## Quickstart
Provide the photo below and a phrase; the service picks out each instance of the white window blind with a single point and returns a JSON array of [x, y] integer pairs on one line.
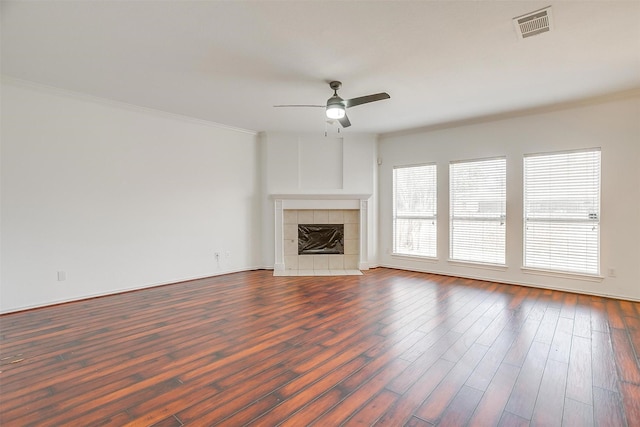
[[478, 210], [414, 210], [562, 211]]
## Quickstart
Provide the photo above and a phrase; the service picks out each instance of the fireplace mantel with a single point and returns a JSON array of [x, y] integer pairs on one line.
[[321, 196], [326, 201]]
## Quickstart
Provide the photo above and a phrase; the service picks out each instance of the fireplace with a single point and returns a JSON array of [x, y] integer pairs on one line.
[[349, 211], [321, 220]]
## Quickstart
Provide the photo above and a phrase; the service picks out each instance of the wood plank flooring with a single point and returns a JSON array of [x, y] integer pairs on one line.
[[390, 348]]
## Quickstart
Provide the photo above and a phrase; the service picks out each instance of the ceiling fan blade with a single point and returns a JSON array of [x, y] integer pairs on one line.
[[298, 105], [345, 121], [365, 99]]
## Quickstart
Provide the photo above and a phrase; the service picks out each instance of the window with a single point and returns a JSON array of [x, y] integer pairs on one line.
[[478, 210], [414, 210], [562, 211]]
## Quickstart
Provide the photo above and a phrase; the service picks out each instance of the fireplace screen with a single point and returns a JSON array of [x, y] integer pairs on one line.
[[317, 239]]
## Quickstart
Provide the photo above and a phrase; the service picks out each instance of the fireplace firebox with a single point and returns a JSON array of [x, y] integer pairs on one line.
[[318, 239]]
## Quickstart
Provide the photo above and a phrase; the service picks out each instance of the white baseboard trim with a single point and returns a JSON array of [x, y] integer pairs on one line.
[[395, 267], [511, 282], [125, 290]]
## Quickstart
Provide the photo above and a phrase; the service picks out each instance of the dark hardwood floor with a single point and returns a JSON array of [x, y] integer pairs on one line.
[[389, 348]]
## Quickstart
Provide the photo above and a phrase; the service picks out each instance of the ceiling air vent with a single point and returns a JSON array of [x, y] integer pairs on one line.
[[533, 23]]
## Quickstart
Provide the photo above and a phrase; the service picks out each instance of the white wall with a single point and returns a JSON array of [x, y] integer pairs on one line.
[[614, 126], [118, 197], [349, 168]]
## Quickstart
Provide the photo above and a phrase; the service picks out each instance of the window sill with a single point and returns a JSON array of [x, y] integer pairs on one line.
[[563, 274], [485, 266], [415, 257]]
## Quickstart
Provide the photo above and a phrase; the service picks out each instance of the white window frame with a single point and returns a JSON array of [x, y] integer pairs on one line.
[[473, 214], [426, 217], [580, 256]]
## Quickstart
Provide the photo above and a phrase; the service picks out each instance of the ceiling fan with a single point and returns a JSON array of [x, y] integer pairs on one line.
[[336, 106]]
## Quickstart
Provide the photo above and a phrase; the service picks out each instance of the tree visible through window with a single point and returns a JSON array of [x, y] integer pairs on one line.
[[562, 211], [414, 210]]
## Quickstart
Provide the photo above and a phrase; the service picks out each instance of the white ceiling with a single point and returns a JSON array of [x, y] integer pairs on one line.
[[229, 62]]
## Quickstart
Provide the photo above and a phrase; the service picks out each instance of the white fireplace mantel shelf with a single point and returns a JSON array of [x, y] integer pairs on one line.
[[310, 200], [321, 196]]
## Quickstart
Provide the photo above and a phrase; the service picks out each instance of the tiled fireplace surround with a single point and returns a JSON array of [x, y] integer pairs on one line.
[[348, 261], [348, 209]]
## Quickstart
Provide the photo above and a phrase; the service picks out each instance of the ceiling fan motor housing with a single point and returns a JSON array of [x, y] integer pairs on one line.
[[335, 105]]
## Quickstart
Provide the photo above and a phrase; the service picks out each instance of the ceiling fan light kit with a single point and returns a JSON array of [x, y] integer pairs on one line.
[[336, 106], [335, 111]]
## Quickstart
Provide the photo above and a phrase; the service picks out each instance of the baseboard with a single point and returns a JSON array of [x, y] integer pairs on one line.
[[391, 266], [509, 282], [126, 290]]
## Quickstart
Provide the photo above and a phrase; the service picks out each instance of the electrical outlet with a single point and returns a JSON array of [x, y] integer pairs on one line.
[[611, 272], [62, 276]]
